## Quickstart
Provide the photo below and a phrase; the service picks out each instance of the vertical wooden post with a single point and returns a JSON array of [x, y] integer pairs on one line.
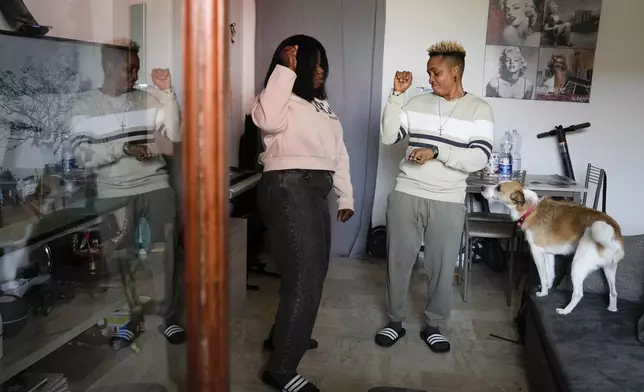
[[206, 194]]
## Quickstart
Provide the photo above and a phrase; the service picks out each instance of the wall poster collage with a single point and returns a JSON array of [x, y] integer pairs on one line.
[[541, 49]]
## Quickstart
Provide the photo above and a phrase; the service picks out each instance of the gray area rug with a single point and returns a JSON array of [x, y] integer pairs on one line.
[[391, 389]]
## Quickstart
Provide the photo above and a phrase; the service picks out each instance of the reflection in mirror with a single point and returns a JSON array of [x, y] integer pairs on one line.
[[91, 266]]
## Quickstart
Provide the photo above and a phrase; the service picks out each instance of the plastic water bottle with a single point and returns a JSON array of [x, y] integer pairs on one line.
[[143, 238], [517, 142], [505, 161], [68, 161]]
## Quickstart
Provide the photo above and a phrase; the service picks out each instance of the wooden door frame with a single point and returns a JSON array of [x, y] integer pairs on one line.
[[206, 182]]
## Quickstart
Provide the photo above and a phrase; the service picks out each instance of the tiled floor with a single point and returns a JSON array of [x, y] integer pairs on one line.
[[352, 311], [347, 360]]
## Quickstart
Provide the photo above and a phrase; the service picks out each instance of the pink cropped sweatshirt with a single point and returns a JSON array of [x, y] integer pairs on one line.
[[301, 135]]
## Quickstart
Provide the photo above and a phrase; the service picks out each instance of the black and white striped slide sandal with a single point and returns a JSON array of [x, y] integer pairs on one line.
[[293, 383], [125, 335], [389, 335], [435, 340], [174, 334]]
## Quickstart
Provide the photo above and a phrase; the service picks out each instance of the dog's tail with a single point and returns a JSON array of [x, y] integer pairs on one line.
[[604, 234]]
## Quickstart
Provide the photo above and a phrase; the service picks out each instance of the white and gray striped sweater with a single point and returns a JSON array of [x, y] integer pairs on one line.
[[101, 124], [464, 144]]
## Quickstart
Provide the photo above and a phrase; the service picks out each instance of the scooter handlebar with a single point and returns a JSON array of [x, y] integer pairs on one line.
[[578, 126], [571, 128], [546, 134]]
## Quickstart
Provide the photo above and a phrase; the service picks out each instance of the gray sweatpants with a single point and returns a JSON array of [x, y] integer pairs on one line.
[[410, 220], [159, 208]]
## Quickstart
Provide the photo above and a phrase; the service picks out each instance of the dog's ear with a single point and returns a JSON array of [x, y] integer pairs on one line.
[[518, 198]]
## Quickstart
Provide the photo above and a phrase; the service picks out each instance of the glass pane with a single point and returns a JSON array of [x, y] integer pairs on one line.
[[90, 258]]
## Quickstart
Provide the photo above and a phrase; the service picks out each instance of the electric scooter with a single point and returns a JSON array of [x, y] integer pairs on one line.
[[560, 132]]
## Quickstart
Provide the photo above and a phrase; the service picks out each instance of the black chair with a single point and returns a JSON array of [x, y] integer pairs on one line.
[[597, 177]]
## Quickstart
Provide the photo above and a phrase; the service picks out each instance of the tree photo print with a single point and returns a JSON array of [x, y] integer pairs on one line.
[[39, 78], [541, 49]]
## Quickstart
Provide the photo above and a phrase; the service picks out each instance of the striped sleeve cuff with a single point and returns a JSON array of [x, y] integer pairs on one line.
[[483, 145], [402, 133]]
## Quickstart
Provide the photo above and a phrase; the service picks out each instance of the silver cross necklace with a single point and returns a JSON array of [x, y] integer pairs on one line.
[[126, 108], [441, 125]]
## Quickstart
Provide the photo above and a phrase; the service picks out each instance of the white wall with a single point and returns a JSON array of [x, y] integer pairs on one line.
[[242, 71], [88, 20], [615, 111], [235, 74], [248, 54], [104, 20], [177, 48], [159, 32]]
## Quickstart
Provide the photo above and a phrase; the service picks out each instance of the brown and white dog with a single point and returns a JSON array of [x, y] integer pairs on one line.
[[560, 228]]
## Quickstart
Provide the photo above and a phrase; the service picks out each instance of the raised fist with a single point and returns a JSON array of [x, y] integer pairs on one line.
[[289, 57], [402, 81], [162, 78]]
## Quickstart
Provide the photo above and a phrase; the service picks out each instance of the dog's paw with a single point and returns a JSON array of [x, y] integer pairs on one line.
[[612, 308], [562, 311], [542, 293], [551, 282]]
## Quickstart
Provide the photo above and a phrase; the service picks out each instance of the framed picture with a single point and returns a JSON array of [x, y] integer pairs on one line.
[[541, 49]]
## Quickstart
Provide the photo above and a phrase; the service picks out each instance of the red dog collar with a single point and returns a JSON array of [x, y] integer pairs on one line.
[[525, 215]]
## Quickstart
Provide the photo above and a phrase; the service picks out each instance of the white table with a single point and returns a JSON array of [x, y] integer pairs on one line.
[[555, 186], [552, 185]]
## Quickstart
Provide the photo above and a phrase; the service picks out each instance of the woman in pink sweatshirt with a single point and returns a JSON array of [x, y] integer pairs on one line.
[[305, 158]]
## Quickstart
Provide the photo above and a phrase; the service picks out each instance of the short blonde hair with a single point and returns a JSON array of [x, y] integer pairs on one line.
[[451, 49], [447, 48]]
